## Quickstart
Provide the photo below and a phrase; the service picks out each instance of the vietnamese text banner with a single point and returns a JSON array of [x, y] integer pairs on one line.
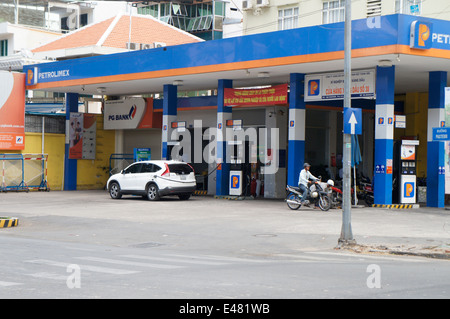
[[249, 97], [330, 86], [12, 111]]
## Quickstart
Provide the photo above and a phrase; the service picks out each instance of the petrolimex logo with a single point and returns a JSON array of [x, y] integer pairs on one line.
[[314, 87], [235, 181], [421, 35], [409, 190], [32, 76]]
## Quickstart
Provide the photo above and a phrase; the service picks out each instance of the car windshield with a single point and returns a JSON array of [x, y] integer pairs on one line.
[[180, 169]]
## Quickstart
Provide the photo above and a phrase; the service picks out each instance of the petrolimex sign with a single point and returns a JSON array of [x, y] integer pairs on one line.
[[424, 36], [330, 86], [421, 35], [35, 76]]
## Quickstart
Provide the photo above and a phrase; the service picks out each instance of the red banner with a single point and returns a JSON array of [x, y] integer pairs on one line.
[[274, 95], [12, 111]]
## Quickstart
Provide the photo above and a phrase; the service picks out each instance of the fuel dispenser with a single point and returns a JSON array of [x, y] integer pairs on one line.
[[240, 167], [405, 185]]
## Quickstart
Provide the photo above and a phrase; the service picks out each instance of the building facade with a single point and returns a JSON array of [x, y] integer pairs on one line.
[[274, 15]]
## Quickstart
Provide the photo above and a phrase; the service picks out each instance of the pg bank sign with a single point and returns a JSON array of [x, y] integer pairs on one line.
[[423, 36]]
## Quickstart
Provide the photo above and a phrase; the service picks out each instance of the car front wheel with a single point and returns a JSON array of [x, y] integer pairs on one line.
[[114, 191], [152, 192]]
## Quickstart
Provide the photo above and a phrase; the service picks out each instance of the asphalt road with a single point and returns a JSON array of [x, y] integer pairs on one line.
[[85, 245]]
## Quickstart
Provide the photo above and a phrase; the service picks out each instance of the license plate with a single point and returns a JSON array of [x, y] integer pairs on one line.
[[183, 177]]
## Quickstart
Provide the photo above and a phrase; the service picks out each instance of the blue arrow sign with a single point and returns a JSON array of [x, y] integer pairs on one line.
[[441, 134], [352, 121]]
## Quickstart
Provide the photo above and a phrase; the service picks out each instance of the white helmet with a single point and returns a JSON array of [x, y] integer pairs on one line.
[[330, 182]]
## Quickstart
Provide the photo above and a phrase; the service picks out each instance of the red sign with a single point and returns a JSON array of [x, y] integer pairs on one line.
[[274, 95], [12, 111]]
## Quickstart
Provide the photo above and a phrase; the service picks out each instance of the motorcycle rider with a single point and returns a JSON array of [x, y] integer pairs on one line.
[[304, 180]]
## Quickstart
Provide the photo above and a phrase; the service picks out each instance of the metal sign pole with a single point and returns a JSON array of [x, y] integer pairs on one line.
[[346, 232]]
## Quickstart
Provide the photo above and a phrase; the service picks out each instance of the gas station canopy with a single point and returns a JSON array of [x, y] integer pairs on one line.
[[254, 60]]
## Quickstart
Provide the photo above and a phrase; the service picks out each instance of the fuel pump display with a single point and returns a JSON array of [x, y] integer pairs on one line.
[[405, 171]]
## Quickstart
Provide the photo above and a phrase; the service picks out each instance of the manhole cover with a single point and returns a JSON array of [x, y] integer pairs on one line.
[[146, 245]]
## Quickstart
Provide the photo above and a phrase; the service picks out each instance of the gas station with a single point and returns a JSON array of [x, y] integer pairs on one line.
[[286, 87]]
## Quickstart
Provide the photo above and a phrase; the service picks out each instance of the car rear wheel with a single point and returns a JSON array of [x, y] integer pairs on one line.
[[114, 191], [152, 192]]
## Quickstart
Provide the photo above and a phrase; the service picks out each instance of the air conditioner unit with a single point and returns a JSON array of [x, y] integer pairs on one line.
[[133, 46], [145, 46], [262, 3], [247, 4], [159, 44]]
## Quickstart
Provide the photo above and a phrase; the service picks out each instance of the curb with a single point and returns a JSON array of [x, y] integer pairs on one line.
[[228, 197], [397, 206], [367, 249], [8, 222], [198, 193]]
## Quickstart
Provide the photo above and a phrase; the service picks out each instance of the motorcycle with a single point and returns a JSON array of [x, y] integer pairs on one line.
[[336, 196], [366, 191], [316, 195]]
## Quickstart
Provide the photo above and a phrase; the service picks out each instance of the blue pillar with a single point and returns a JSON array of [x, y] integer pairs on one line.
[[296, 135], [70, 165], [436, 150], [224, 113], [169, 116], [384, 135]]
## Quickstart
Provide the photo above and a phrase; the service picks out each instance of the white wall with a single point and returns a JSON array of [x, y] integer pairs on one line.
[[310, 13], [22, 37]]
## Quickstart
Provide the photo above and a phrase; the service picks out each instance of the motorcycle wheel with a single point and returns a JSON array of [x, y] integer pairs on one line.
[[324, 203], [369, 200], [293, 197]]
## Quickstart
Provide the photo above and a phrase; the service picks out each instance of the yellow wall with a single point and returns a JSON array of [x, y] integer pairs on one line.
[[93, 174], [54, 147], [416, 111]]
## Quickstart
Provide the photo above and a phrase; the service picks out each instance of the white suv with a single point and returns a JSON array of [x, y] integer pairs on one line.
[[153, 179]]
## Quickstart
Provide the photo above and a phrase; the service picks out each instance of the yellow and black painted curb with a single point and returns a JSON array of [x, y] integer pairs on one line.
[[229, 197], [198, 193], [8, 222], [397, 206]]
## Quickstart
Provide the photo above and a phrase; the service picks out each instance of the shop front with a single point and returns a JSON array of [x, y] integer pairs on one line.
[[304, 124]]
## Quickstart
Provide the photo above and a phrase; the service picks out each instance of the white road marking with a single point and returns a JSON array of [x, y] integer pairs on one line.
[[8, 284], [128, 263], [105, 270], [186, 260]]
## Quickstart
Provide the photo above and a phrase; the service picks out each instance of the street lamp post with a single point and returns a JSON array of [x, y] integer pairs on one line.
[[346, 231]]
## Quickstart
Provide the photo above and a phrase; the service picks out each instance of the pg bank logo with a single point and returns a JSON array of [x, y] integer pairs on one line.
[[314, 87], [421, 35], [409, 190]]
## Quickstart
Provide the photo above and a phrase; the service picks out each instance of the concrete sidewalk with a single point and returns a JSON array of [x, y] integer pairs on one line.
[[253, 227]]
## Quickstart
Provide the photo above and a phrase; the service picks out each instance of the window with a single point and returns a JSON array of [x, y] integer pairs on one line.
[[373, 8], [3, 47], [287, 18], [333, 11], [150, 168], [135, 168], [413, 7]]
